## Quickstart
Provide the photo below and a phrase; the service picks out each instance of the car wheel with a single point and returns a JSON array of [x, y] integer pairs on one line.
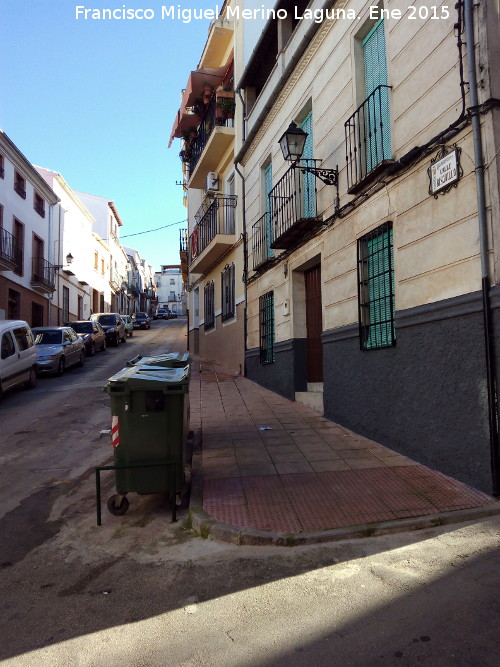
[[103, 348], [92, 350], [116, 341], [124, 339], [122, 507], [82, 359], [130, 333], [32, 380], [60, 367]]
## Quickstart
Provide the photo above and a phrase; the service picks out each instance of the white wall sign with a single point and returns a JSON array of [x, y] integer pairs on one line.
[[444, 171]]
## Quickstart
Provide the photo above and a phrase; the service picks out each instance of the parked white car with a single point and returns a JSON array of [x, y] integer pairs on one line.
[[17, 355]]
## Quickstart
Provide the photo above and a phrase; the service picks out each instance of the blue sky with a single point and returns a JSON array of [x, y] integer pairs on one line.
[[95, 101]]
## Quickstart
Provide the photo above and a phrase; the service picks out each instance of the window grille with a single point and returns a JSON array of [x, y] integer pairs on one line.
[[266, 326], [228, 289], [209, 301], [376, 288]]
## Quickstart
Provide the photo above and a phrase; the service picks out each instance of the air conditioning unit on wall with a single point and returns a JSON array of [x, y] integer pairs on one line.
[[212, 181]]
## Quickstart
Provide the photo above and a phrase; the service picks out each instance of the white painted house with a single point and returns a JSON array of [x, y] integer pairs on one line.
[[29, 212]]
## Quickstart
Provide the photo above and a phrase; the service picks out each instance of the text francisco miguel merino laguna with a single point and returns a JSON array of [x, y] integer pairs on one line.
[[188, 14]]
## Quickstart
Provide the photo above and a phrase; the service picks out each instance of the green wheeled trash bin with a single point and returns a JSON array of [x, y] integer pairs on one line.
[[167, 360], [150, 416]]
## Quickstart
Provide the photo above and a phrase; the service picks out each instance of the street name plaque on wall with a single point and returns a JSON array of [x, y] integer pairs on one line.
[[445, 171]]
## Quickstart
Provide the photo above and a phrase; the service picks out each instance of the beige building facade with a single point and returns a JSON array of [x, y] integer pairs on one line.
[[365, 292], [213, 251]]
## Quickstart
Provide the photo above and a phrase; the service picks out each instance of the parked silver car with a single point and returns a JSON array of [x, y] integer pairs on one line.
[[57, 348]]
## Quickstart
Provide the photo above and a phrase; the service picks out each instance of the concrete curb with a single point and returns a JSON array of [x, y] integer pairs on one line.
[[209, 528]]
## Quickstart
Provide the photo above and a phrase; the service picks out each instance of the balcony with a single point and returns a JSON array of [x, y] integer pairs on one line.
[[368, 139], [292, 204], [43, 275], [11, 257], [115, 281], [214, 136], [183, 252], [261, 241], [220, 35], [214, 232]]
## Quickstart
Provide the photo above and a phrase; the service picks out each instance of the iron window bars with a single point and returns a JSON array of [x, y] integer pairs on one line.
[[228, 292], [376, 288], [266, 328], [209, 305]]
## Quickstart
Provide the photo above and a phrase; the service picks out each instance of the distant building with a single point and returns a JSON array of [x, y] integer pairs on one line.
[[170, 288], [110, 263]]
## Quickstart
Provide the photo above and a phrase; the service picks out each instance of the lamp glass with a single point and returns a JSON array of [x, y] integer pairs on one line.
[[69, 258], [292, 142]]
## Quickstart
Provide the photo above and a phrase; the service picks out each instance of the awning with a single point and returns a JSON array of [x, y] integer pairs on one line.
[[194, 89]]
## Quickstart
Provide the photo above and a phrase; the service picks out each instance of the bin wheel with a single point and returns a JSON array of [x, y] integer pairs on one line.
[[121, 509]]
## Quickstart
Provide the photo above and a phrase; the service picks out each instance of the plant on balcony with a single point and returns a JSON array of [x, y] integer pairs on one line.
[[227, 106], [186, 153], [207, 92]]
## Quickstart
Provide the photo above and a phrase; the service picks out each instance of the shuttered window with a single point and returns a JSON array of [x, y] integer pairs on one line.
[[209, 304], [227, 295], [376, 288], [308, 184], [377, 115], [266, 327]]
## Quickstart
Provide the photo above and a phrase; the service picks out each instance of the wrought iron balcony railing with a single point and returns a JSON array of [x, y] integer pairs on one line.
[[368, 137], [215, 216], [292, 204], [43, 274], [10, 255], [194, 147], [261, 240], [183, 240]]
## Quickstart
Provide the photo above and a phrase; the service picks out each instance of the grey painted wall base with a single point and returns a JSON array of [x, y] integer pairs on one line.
[[425, 397], [287, 374]]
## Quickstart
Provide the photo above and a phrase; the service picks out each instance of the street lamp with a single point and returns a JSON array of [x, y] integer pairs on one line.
[[69, 260], [292, 144]]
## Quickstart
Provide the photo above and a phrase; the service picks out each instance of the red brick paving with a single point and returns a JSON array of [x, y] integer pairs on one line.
[[305, 473]]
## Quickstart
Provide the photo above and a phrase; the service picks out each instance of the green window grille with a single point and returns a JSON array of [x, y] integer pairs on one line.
[[376, 288], [209, 305], [308, 181], [266, 327], [268, 186], [228, 290], [377, 115]]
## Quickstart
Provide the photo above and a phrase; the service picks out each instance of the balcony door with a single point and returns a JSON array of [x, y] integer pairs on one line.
[[314, 324], [377, 117], [38, 272]]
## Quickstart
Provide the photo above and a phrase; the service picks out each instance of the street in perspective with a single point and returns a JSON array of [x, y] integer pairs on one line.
[[141, 590]]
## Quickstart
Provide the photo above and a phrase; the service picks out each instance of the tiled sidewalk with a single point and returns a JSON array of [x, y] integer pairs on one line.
[[270, 464]]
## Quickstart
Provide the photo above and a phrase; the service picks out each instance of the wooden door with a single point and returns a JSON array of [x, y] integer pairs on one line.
[[314, 324]]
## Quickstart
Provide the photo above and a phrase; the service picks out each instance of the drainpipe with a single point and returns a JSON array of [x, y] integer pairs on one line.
[[245, 265], [483, 245]]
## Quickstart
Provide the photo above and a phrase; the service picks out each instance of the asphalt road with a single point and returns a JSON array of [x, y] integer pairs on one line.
[[140, 591]]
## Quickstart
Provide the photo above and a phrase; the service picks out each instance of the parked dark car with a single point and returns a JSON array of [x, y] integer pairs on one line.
[[92, 334], [57, 348], [113, 326], [141, 321], [173, 315], [163, 314]]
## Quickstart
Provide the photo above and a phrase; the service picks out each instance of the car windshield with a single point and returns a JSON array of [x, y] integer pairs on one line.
[[82, 327], [48, 337], [107, 320]]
